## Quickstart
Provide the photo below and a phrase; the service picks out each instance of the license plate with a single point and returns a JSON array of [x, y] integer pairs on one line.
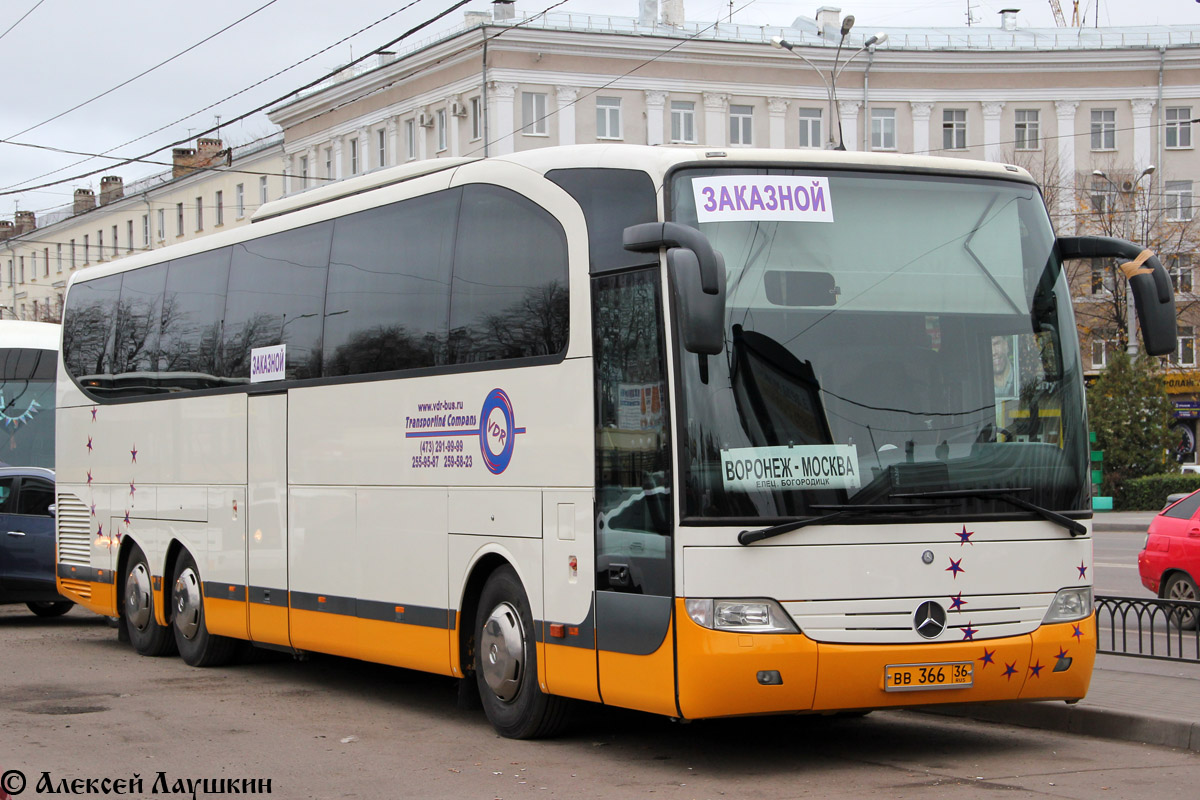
[[917, 677]]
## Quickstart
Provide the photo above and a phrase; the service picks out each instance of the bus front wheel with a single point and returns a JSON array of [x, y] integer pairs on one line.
[[196, 645], [137, 612], [506, 663]]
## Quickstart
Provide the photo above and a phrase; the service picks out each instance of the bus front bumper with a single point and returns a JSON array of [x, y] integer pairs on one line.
[[729, 674]]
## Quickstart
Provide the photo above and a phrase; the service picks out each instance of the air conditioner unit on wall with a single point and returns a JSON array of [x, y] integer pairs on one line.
[[1127, 186], [425, 120], [458, 109]]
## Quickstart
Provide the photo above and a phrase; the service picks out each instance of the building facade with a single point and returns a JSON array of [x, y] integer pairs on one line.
[[209, 188]]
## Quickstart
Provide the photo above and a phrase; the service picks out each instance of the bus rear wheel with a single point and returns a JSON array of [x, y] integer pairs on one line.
[[506, 663], [197, 646], [137, 610]]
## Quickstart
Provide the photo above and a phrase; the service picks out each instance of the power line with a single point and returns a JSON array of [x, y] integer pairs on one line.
[[146, 71], [23, 16], [457, 5]]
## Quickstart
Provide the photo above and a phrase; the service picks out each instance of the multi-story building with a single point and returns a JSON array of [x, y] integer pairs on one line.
[[209, 188], [1102, 117]]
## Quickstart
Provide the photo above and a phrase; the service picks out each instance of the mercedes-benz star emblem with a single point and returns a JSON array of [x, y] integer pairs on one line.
[[929, 620]]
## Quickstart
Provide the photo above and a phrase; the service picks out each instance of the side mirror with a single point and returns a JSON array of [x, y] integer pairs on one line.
[[697, 276], [1153, 296], [52, 510]]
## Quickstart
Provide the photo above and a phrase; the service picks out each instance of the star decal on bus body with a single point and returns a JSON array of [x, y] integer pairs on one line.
[[1062, 653], [94, 410], [127, 517], [957, 602], [89, 480], [132, 489], [133, 453], [1036, 669], [1010, 670], [1077, 633], [89, 444], [93, 509], [955, 567], [987, 658], [964, 537], [1082, 570], [969, 633]]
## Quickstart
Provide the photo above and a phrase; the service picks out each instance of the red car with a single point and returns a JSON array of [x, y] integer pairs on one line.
[[1169, 564]]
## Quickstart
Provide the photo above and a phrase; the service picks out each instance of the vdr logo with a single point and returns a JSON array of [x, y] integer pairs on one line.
[[497, 431]]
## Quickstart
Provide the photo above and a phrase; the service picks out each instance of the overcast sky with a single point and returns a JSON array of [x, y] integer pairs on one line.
[[65, 52]]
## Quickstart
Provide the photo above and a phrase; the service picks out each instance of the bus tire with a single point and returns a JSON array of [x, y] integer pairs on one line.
[[196, 645], [137, 609], [506, 663]]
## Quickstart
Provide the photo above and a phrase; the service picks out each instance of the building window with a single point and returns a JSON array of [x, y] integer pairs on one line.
[[21, 262], [115, 248], [741, 125], [58, 257], [303, 172], [220, 203], [1103, 196], [608, 118], [1179, 267], [199, 213], [100, 245], [87, 254], [73, 262], [440, 124], [1028, 134], [262, 190], [329, 162], [1179, 127], [178, 225], [145, 231], [35, 310], [354, 156], [1104, 129], [1102, 276], [1179, 200], [810, 127], [533, 114], [683, 121], [1103, 343], [954, 129], [476, 119], [33, 265], [1185, 352], [162, 224], [883, 129], [410, 138], [128, 236], [239, 200], [381, 142], [46, 262]]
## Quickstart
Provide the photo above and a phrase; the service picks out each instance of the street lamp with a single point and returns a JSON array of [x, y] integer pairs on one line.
[[834, 73], [1131, 346]]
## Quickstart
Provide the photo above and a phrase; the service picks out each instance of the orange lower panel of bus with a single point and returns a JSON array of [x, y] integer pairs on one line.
[[719, 672]]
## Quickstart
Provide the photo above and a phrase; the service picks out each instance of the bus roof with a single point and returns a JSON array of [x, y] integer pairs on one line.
[[19, 334]]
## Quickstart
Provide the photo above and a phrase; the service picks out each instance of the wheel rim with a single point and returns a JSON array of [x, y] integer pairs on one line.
[[138, 609], [502, 646], [187, 603], [1183, 590]]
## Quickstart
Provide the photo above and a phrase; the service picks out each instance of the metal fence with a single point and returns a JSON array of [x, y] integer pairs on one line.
[[1147, 627]]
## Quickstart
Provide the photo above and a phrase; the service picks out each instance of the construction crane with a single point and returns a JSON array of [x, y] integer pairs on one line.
[[1059, 19]]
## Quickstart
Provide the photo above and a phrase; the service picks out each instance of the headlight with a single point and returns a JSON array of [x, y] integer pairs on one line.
[[741, 616], [1070, 605]]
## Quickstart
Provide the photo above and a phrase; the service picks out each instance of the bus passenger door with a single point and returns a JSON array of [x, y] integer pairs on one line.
[[267, 518], [633, 507]]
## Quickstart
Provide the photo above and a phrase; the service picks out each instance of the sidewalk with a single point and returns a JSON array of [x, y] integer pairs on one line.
[[1137, 521], [1159, 706]]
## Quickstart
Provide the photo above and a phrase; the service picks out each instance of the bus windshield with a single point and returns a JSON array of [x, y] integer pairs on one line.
[[27, 400], [905, 335]]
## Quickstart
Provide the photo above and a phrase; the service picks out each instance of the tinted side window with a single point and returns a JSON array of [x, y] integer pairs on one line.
[[389, 286], [7, 500], [277, 296], [509, 295], [612, 200], [192, 311], [36, 497], [1185, 508], [139, 321], [87, 333]]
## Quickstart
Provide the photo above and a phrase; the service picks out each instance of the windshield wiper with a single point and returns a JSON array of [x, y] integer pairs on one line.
[[836, 512], [1075, 527]]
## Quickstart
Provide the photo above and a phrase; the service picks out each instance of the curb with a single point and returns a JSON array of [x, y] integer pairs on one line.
[[1082, 720]]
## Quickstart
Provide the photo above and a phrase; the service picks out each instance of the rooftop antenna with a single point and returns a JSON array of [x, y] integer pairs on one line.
[[730, 12], [218, 125], [971, 18]]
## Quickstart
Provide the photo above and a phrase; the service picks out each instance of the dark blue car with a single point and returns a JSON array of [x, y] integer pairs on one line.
[[27, 541]]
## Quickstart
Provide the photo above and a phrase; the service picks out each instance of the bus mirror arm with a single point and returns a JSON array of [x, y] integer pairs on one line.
[[1153, 295], [693, 266]]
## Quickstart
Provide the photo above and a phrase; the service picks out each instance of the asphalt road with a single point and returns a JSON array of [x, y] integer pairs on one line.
[[1114, 557], [77, 704]]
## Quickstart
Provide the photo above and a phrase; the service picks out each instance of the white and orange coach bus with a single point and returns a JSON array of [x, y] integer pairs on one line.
[[700, 433]]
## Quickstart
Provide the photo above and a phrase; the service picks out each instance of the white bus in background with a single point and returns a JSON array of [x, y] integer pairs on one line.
[[694, 432], [28, 363]]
